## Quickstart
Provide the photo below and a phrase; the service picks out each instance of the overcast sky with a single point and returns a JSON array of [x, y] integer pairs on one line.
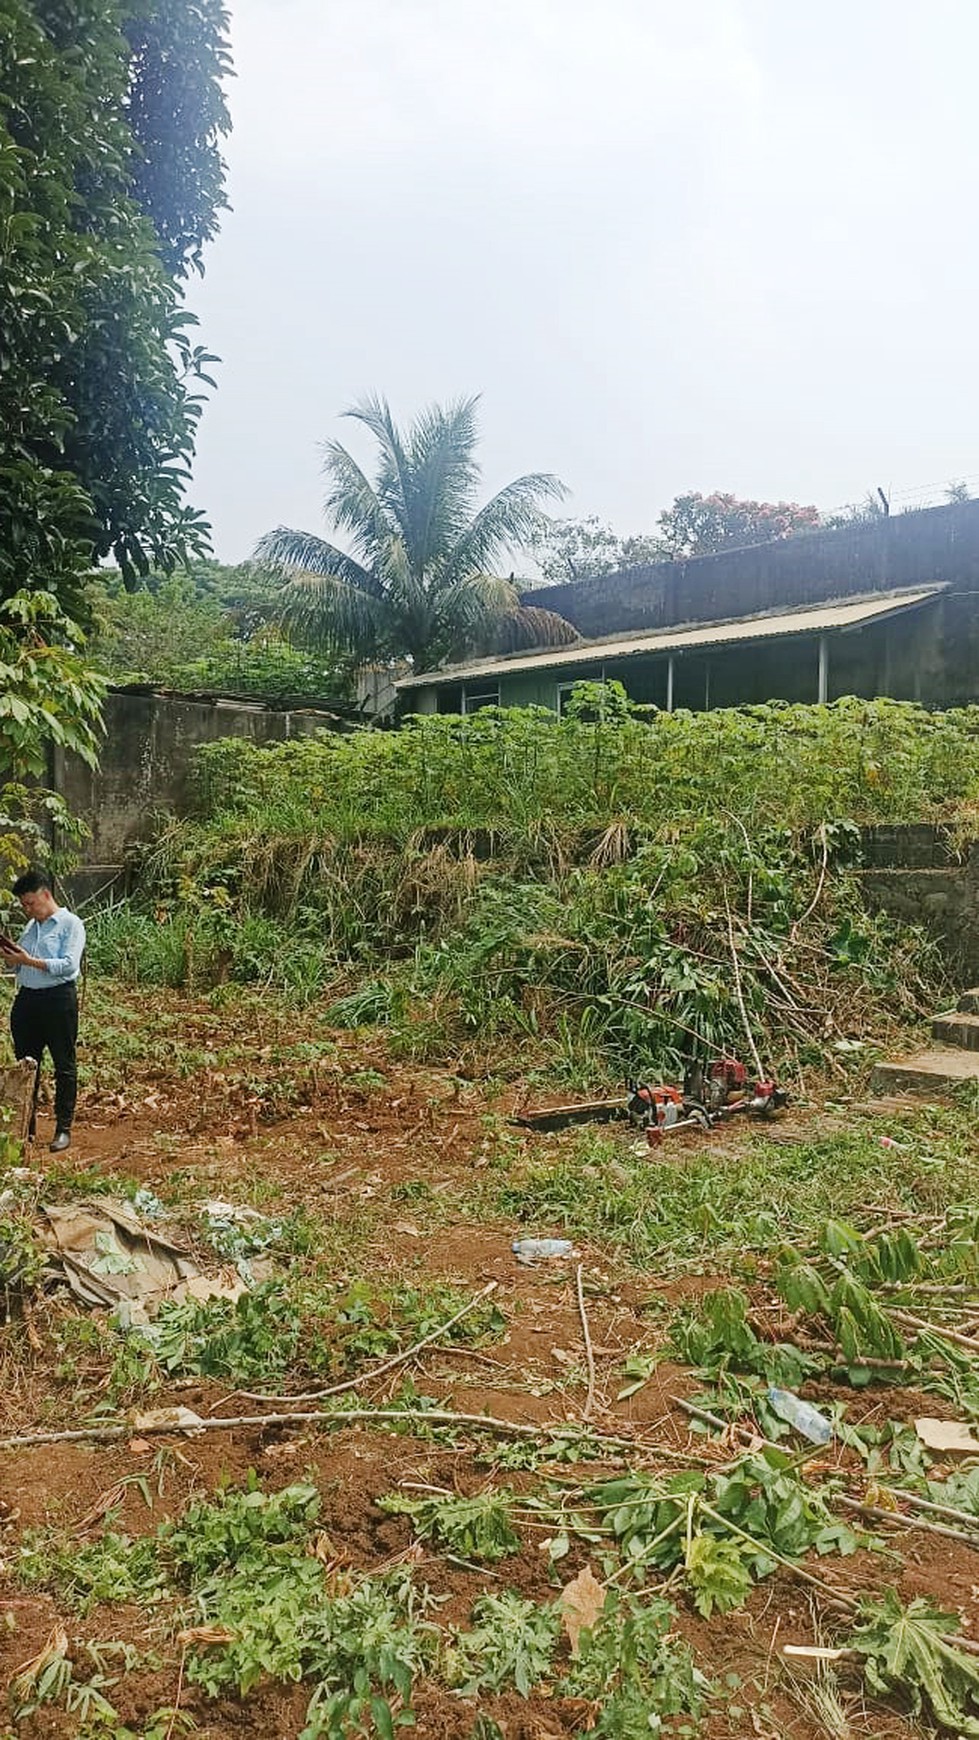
[[675, 244]]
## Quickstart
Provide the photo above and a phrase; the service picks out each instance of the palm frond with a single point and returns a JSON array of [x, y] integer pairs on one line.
[[419, 579], [466, 608], [289, 553], [394, 461], [326, 611], [354, 504], [510, 519], [444, 476], [524, 627]]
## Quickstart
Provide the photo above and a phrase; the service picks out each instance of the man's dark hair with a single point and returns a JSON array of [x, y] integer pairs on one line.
[[32, 882]]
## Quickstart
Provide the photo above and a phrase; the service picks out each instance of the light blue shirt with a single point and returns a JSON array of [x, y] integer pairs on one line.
[[59, 940]]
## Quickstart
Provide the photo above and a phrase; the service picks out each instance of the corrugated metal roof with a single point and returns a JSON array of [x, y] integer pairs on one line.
[[841, 614]]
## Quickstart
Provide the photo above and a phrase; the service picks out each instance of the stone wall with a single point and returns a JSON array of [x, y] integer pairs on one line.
[[146, 760], [916, 873]]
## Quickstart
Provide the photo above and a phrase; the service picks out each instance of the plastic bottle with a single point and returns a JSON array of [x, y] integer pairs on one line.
[[802, 1415], [532, 1250]]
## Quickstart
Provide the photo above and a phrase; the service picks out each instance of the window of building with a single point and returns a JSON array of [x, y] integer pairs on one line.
[[475, 696]]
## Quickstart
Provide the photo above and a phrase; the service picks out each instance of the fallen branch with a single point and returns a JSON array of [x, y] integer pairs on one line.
[[377, 1370], [335, 1417], [739, 993], [929, 1504], [912, 1322], [765, 1550], [814, 902], [589, 1350], [907, 1522]]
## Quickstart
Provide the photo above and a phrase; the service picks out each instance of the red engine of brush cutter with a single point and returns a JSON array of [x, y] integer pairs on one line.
[[655, 1105], [727, 1079], [729, 1091]]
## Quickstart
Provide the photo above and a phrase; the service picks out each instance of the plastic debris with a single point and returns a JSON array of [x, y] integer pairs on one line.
[[540, 1250], [109, 1257], [180, 1419], [801, 1415]]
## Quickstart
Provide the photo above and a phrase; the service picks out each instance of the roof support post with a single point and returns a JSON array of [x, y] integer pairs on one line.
[[669, 684], [823, 694]]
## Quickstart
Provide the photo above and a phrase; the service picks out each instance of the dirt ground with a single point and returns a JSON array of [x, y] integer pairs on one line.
[[323, 1133]]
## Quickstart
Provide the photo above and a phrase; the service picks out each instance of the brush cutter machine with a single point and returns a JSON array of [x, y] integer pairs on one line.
[[710, 1093], [722, 1089]]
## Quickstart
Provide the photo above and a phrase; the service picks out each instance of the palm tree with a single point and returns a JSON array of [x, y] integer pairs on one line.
[[417, 581]]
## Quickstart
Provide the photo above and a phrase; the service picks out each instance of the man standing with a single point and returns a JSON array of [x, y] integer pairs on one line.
[[47, 959]]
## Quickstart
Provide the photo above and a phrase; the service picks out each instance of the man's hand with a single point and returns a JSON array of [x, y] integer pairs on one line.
[[17, 957]]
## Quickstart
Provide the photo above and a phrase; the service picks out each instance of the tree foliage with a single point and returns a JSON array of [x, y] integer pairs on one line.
[[418, 580], [50, 698], [98, 374], [207, 630], [111, 115], [576, 549], [176, 111], [695, 525], [700, 525]]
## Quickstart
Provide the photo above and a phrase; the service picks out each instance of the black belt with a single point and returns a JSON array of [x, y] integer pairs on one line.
[[47, 990]]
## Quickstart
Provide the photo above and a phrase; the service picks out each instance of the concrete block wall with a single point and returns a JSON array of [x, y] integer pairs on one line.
[[146, 761], [935, 544]]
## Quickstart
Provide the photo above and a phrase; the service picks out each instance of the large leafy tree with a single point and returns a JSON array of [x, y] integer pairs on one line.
[[420, 578], [111, 117], [579, 549]]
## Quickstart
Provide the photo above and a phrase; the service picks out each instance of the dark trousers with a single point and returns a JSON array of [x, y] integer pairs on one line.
[[40, 1019]]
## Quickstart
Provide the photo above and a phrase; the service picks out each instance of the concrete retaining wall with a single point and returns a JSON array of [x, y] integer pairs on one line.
[[915, 873], [146, 760]]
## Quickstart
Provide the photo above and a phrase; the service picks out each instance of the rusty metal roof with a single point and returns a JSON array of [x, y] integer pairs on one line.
[[840, 614]]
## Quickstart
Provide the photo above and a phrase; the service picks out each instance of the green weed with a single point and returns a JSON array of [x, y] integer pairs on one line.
[[635, 1669], [301, 1325], [478, 1528], [112, 1568], [511, 1643], [721, 1210]]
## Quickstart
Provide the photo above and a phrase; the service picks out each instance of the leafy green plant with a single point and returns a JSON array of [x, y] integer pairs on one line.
[[716, 1333], [22, 1256], [717, 1574], [911, 1649], [479, 1528], [725, 1529], [511, 1643], [305, 1324], [217, 1534], [635, 1669], [112, 1568]]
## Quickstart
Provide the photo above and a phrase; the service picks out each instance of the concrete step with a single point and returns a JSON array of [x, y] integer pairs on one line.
[[955, 1029], [930, 1074], [968, 1003]]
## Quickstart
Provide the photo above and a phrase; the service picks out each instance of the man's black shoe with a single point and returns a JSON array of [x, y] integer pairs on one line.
[[62, 1140]]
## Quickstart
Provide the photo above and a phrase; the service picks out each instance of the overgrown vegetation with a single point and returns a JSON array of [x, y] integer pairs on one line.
[[606, 889], [208, 629]]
